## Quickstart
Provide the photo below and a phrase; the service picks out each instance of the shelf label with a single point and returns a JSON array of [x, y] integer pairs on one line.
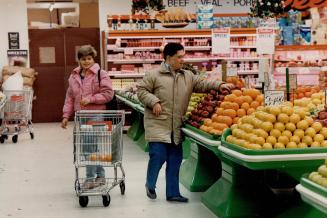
[[232, 71], [265, 40], [220, 41], [274, 97], [128, 51]]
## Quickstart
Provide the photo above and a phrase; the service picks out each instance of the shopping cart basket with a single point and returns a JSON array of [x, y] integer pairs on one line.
[[16, 114], [98, 143]]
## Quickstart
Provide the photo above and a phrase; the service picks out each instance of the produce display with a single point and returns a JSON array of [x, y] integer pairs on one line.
[[278, 127], [311, 105], [305, 91], [129, 92], [320, 176], [195, 99], [206, 108], [232, 107], [236, 81]]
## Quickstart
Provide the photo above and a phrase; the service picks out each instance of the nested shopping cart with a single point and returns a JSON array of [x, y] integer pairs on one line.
[[16, 114], [98, 143]]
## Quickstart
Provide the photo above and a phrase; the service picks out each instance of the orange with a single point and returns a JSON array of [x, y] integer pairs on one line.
[[259, 99], [250, 111], [247, 99], [238, 100], [235, 106], [219, 111], [93, 157], [254, 104], [241, 112], [230, 98], [245, 106], [236, 92], [229, 112], [235, 120]]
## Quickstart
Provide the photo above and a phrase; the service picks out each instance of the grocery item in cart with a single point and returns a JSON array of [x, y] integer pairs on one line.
[[14, 82]]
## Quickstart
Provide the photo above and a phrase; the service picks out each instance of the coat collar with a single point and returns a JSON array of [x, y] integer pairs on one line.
[[94, 69], [164, 69]]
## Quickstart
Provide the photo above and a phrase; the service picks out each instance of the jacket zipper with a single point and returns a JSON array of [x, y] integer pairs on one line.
[[173, 138]]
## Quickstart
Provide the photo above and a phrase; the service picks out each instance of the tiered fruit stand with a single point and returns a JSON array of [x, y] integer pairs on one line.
[[250, 183]]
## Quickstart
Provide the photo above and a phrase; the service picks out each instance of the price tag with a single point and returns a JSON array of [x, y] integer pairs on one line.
[[232, 71], [220, 41], [274, 97], [265, 40], [293, 81], [128, 51]]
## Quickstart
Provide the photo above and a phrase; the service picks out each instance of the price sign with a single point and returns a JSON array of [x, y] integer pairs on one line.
[[265, 40], [274, 97], [128, 51], [220, 41]]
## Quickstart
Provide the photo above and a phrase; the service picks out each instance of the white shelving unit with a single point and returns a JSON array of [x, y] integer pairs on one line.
[[197, 41]]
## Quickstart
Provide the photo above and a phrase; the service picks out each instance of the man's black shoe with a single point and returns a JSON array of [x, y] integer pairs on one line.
[[151, 193], [178, 199]]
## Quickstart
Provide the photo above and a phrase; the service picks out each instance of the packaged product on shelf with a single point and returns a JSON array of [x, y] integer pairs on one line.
[[305, 32]]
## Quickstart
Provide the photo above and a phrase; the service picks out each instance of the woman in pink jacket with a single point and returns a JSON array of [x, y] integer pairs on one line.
[[86, 92]]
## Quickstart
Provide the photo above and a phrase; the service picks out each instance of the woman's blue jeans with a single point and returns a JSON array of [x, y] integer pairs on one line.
[[160, 153]]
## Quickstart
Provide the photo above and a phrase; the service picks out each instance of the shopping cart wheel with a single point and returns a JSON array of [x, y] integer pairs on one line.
[[106, 200], [83, 201], [122, 187], [15, 138], [32, 135], [2, 138]]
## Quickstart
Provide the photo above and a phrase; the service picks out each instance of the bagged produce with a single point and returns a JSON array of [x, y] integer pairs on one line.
[[26, 72], [14, 82]]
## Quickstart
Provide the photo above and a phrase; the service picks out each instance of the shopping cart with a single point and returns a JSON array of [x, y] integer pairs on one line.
[[98, 143], [16, 114]]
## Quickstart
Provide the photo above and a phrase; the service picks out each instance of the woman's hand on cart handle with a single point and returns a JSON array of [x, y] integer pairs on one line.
[[85, 101], [64, 123]]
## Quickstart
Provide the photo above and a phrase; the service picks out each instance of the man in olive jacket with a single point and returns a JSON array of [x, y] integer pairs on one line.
[[165, 93]]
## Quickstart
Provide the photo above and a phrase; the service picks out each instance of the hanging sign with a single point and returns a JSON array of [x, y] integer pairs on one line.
[[13, 40], [265, 40], [274, 97], [221, 41]]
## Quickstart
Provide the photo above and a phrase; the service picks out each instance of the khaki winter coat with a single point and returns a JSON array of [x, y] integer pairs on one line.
[[173, 91]]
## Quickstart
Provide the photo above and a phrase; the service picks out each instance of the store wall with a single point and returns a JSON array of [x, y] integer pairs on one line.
[[13, 18], [89, 15]]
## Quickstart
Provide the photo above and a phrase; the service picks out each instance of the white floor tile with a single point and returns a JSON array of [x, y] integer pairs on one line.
[[36, 180]]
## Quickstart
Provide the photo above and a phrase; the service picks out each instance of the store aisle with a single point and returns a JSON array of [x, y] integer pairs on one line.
[[36, 180]]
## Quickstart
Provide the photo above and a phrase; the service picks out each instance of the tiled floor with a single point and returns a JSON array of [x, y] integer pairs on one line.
[[36, 180]]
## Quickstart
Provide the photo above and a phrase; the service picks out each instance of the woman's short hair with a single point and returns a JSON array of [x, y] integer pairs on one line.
[[86, 50], [171, 49]]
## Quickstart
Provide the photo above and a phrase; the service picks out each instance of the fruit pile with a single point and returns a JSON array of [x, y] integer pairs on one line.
[[320, 177], [305, 91], [278, 127], [195, 99], [233, 107], [205, 108], [100, 157], [236, 81], [322, 117]]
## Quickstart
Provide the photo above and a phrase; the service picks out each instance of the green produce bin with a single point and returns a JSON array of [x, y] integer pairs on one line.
[[202, 167], [244, 180], [313, 194]]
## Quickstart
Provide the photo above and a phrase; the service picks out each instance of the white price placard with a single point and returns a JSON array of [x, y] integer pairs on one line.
[[274, 97], [265, 40], [220, 41], [128, 51]]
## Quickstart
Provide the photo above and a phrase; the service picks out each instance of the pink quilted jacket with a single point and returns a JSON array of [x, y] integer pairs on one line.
[[88, 88]]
